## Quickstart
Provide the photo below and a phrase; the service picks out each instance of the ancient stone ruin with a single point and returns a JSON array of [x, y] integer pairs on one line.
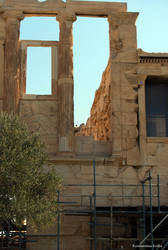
[[113, 165]]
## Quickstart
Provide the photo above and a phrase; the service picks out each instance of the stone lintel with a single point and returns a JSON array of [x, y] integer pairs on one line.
[[54, 6], [38, 43], [91, 8], [13, 15], [34, 6]]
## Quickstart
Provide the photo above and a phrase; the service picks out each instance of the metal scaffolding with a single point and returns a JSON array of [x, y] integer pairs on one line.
[[146, 213]]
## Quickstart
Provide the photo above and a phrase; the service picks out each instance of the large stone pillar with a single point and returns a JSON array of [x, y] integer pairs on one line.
[[142, 119], [123, 41], [66, 84], [123, 45], [2, 41], [11, 87]]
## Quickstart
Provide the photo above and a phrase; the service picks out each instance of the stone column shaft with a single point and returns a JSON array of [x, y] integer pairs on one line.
[[11, 88], [66, 84], [2, 41]]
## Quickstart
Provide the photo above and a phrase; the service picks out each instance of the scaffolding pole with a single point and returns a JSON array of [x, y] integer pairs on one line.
[[111, 227], [58, 222], [151, 214], [94, 199], [154, 229], [158, 191], [144, 210]]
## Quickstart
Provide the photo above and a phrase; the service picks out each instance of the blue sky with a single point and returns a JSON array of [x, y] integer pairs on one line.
[[91, 49]]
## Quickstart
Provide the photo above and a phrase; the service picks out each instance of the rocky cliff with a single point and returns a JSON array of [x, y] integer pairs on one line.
[[98, 124]]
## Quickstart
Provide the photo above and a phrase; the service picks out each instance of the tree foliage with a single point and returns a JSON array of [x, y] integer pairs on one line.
[[27, 189]]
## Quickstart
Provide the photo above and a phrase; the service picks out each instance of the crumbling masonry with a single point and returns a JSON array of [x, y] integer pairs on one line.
[[109, 199]]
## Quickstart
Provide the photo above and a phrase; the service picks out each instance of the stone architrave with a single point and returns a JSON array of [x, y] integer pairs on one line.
[[11, 86], [66, 83]]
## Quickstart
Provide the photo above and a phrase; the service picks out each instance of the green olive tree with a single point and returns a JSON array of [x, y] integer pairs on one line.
[[27, 189]]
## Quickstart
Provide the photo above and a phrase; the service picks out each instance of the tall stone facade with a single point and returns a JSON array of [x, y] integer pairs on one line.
[[106, 164]]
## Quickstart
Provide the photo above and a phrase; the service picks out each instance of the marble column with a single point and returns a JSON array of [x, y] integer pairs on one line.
[[66, 84], [11, 87]]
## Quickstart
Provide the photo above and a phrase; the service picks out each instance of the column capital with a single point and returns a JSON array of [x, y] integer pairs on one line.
[[128, 18], [64, 16], [14, 15]]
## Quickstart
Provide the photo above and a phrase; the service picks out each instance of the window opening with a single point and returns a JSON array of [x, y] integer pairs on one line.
[[39, 28], [41, 1], [91, 52], [38, 80], [157, 107]]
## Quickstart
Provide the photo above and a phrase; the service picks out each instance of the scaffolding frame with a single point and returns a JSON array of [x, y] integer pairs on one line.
[[93, 212], [147, 182]]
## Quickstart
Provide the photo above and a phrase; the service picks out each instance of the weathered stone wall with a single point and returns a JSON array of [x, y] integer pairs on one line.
[[40, 116], [110, 172]]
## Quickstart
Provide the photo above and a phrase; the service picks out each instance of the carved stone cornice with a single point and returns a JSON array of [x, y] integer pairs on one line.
[[135, 79], [66, 16], [128, 18]]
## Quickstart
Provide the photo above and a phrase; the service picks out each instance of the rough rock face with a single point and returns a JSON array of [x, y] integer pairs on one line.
[[98, 124]]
